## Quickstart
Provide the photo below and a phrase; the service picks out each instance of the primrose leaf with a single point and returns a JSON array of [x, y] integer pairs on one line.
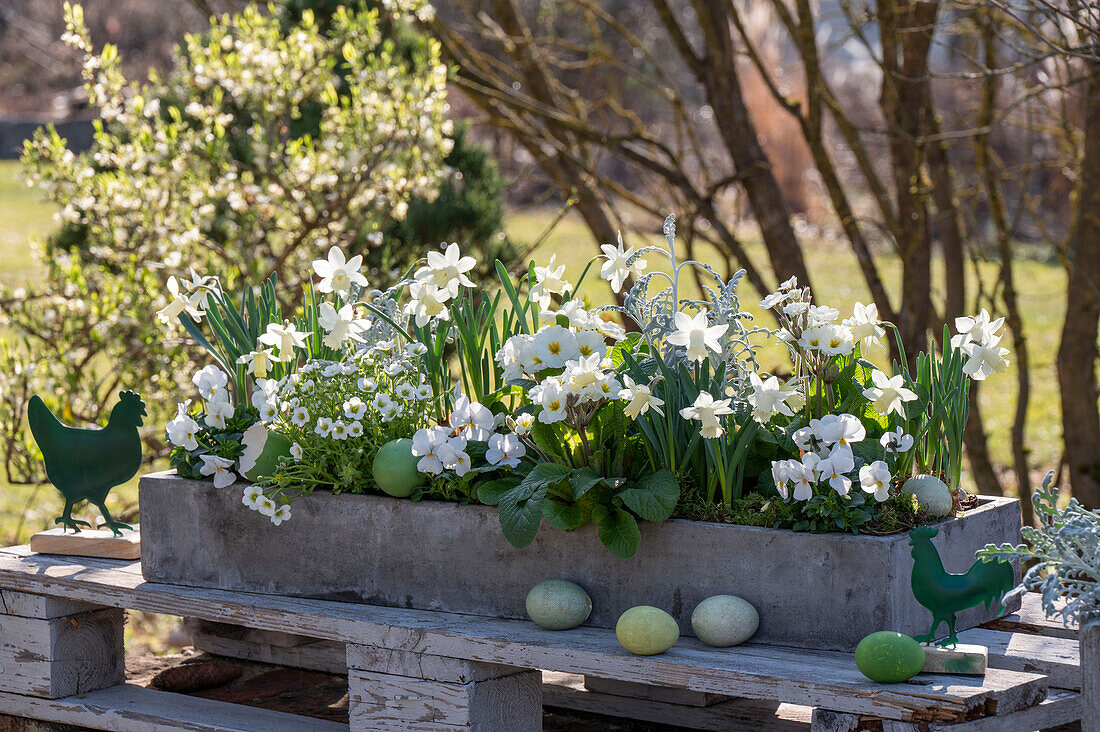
[[520, 512], [491, 491], [565, 515], [655, 497], [619, 533], [583, 480]]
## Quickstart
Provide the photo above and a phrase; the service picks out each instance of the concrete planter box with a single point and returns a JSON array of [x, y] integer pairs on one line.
[[822, 591]]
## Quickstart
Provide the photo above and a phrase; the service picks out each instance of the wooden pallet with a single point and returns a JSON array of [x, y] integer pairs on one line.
[[411, 669]]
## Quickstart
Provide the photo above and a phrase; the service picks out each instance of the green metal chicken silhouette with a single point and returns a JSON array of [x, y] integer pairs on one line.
[[87, 464], [946, 594]]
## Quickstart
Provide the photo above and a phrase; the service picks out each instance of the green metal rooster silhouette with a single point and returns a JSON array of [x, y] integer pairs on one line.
[[87, 464], [946, 594]]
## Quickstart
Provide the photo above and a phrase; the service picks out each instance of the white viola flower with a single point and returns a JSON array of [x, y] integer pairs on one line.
[[221, 469], [984, 358], [897, 441], [554, 346], [829, 338], [426, 446], [212, 383], [842, 431], [259, 398], [804, 476], [427, 302], [355, 408], [889, 393], [459, 462], [218, 412], [284, 338], [265, 506], [423, 392], [505, 450], [281, 514], [821, 315], [552, 397], [522, 424], [182, 430], [323, 426], [707, 410], [337, 273], [252, 494], [299, 416], [549, 280], [475, 420], [696, 335], [639, 398], [805, 439], [296, 452], [781, 476], [259, 362], [621, 263], [355, 429], [577, 316], [340, 325], [875, 478], [768, 397], [367, 385], [864, 325], [180, 304], [976, 328], [339, 430], [447, 271], [834, 469]]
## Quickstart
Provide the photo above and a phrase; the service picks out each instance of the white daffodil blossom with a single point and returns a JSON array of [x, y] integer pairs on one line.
[[639, 398], [505, 450], [181, 303], [619, 265], [212, 383], [552, 397], [865, 325], [984, 358], [474, 420], [897, 441], [427, 302], [834, 469], [976, 328], [183, 429], [875, 479], [284, 338], [447, 271], [340, 325], [549, 280], [707, 410], [259, 362], [889, 393], [427, 444], [337, 273], [217, 412], [696, 335], [221, 469], [768, 398], [281, 514], [199, 286]]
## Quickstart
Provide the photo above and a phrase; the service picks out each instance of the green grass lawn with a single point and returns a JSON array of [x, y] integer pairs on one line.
[[24, 217]]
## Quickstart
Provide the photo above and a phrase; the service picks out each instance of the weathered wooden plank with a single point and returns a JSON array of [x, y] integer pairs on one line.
[[824, 720], [1061, 707], [327, 656], [423, 665], [62, 656], [567, 691], [239, 632], [131, 708], [810, 678], [40, 606], [88, 543], [1031, 618], [1090, 677], [958, 659], [665, 694], [1057, 658], [383, 701]]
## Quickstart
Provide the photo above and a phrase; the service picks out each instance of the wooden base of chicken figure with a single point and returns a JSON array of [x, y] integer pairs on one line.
[[946, 594], [84, 465]]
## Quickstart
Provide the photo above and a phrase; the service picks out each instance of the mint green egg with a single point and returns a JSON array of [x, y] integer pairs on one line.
[[275, 447], [646, 630], [932, 494], [394, 469], [724, 620], [889, 657], [558, 604]]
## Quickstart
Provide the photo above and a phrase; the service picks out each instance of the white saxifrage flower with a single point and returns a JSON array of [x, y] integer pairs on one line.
[[505, 449], [696, 335], [707, 410], [875, 479], [338, 274], [221, 469], [889, 393], [252, 494], [281, 514], [619, 265], [639, 398], [768, 397], [447, 271]]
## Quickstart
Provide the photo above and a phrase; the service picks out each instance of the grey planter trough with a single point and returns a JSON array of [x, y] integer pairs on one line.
[[822, 591]]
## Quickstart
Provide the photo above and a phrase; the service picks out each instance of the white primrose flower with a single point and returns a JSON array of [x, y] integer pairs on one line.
[[707, 410], [984, 358], [768, 397], [281, 514], [427, 444], [338, 274], [355, 408], [552, 397], [619, 265], [897, 442], [181, 303], [775, 299], [522, 424], [182, 430], [299, 416], [212, 383], [828, 338], [505, 450], [285, 338], [834, 469], [221, 469], [447, 271], [259, 362], [889, 393], [427, 302], [976, 328], [475, 420], [590, 342], [549, 280], [340, 325], [296, 452], [640, 399], [864, 325], [796, 308], [252, 494], [696, 335], [323, 426], [554, 346], [790, 284], [817, 315], [218, 412], [875, 478]]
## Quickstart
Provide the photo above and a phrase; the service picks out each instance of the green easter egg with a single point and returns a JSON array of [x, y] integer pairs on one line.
[[558, 604], [932, 494], [724, 620], [889, 657], [395, 470], [262, 450], [646, 630]]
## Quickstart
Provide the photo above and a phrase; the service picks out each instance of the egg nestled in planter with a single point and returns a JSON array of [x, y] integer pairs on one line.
[[262, 450], [724, 620], [646, 630], [889, 657], [395, 470], [932, 494], [558, 604]]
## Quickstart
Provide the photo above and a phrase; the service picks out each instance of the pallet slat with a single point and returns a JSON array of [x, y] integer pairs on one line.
[[1057, 658]]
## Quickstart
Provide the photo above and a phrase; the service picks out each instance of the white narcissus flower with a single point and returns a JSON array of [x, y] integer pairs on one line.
[[427, 302], [340, 325], [212, 383], [889, 393], [696, 335], [897, 442], [619, 265], [285, 338], [984, 358], [976, 328], [259, 362], [875, 479], [217, 412], [707, 410], [181, 303], [475, 421], [221, 469], [864, 325], [281, 514], [182, 430], [338, 274], [640, 399], [768, 397], [505, 450], [447, 271], [549, 280]]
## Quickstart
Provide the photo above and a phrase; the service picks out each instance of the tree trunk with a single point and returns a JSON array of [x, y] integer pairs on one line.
[[1077, 351]]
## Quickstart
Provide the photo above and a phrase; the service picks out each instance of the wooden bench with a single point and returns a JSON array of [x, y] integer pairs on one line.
[[61, 645]]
